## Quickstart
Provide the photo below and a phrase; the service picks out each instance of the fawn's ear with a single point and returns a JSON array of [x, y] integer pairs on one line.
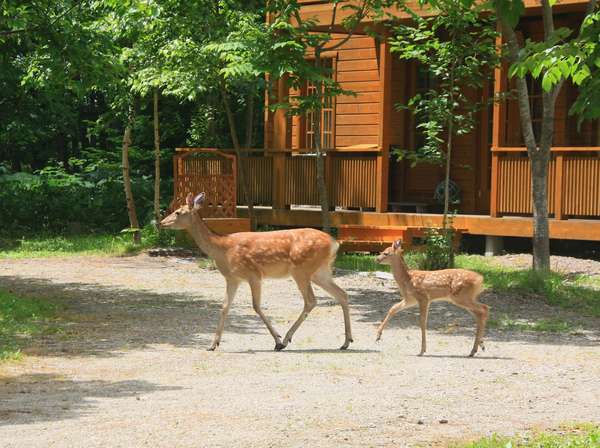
[[397, 244], [198, 200], [189, 200]]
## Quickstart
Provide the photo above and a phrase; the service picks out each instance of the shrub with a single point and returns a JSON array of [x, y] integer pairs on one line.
[[55, 201], [439, 249]]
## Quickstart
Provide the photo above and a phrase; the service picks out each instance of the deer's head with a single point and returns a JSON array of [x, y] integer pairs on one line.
[[386, 256], [182, 217]]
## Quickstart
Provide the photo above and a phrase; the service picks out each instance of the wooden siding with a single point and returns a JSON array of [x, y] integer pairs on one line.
[[357, 117]]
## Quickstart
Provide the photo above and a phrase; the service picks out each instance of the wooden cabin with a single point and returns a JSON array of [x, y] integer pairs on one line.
[[371, 191]]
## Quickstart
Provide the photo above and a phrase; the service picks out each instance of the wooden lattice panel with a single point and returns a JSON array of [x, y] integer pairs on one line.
[[210, 171]]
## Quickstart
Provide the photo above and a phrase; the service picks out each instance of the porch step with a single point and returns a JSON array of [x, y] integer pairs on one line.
[[359, 238]]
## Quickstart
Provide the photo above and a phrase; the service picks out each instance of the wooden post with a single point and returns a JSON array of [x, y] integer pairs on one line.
[[385, 112], [494, 186], [498, 127], [280, 142], [558, 187]]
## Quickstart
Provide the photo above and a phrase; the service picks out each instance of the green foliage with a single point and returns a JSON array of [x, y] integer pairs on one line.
[[456, 51], [564, 56], [569, 436], [439, 249], [20, 319]]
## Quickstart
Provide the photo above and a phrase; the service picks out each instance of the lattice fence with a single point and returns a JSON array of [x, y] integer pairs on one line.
[[210, 171]]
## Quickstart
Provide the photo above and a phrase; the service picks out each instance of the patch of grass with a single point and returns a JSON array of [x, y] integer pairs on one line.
[[21, 319], [554, 287], [570, 436], [555, 325], [93, 244]]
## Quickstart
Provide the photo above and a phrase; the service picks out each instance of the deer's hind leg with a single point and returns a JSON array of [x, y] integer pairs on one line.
[[310, 302], [467, 299], [324, 279]]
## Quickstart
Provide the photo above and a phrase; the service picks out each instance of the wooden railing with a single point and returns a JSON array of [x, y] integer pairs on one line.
[[351, 180], [258, 172], [573, 182]]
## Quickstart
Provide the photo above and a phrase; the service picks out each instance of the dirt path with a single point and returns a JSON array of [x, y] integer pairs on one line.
[[131, 370]]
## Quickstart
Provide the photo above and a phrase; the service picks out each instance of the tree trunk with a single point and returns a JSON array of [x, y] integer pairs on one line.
[[541, 232], [238, 152], [133, 220], [156, 162], [321, 182], [539, 157], [250, 120]]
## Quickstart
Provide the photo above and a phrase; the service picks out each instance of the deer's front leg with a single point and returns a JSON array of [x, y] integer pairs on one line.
[[423, 313], [255, 288], [232, 286]]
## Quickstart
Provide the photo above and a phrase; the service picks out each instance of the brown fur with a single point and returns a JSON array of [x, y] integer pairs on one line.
[[457, 286], [304, 254]]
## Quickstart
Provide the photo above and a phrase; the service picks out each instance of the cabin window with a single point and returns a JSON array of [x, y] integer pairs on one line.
[[327, 114]]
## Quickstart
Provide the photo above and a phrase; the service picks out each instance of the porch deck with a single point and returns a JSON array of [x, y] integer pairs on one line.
[[517, 226]]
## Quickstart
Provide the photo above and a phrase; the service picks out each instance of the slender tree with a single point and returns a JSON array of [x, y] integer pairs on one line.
[[131, 210], [156, 158], [553, 60]]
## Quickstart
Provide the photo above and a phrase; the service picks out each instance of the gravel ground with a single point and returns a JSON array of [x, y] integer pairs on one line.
[[130, 369], [565, 265]]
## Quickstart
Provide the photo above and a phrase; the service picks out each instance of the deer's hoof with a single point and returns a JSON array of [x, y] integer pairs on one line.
[[279, 346], [346, 344], [212, 348], [472, 353]]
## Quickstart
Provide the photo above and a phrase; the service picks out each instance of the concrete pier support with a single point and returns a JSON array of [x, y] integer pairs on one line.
[[493, 245]]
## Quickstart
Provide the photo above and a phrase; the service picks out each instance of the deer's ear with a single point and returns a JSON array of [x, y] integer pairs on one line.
[[397, 244], [198, 200], [189, 200]]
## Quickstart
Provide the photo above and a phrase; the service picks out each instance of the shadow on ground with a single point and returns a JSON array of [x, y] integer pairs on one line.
[[44, 398], [100, 320]]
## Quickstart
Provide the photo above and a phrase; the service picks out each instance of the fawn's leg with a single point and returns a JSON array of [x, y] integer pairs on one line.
[[325, 281], [232, 286], [255, 288], [423, 313], [393, 310]]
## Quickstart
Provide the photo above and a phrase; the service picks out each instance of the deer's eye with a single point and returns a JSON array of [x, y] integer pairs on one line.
[[178, 213]]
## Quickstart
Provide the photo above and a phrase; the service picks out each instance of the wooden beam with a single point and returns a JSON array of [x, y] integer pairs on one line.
[[571, 229], [553, 149]]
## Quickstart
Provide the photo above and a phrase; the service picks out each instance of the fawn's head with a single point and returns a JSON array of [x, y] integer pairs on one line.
[[385, 257], [182, 217]]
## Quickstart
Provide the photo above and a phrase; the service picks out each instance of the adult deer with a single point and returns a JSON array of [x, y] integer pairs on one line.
[[457, 286], [304, 254]]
